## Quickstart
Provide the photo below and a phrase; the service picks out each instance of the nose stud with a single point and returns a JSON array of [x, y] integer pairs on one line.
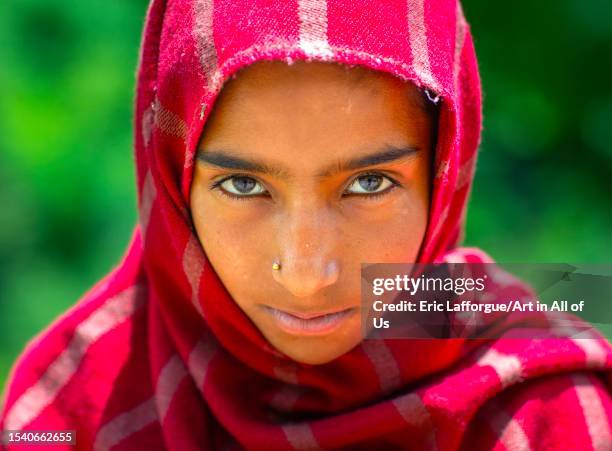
[[276, 266]]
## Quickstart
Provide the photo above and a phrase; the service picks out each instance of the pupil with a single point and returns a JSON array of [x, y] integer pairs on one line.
[[370, 182], [243, 184]]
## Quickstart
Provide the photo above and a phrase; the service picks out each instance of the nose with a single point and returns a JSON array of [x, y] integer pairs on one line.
[[307, 244]]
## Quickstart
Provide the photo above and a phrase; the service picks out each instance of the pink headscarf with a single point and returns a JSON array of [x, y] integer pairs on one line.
[[159, 356]]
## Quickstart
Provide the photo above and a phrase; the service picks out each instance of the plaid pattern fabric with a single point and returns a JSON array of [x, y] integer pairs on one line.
[[158, 356]]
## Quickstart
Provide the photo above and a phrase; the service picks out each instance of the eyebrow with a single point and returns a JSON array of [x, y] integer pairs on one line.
[[226, 160]]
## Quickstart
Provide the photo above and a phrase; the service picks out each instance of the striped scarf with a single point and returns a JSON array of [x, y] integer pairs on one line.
[[158, 356]]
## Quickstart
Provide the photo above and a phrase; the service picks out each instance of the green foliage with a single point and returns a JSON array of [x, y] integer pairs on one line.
[[542, 191], [68, 191]]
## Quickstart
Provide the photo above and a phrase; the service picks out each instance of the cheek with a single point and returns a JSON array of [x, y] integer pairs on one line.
[[235, 246], [394, 232]]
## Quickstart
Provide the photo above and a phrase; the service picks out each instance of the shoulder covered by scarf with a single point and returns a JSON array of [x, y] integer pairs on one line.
[[158, 356]]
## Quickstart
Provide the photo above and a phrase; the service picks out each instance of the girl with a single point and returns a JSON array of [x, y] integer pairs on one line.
[[279, 145]]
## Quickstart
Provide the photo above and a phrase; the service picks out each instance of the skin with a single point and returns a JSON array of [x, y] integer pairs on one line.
[[317, 217]]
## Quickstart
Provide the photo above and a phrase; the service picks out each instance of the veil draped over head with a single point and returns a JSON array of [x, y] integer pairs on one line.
[[158, 355]]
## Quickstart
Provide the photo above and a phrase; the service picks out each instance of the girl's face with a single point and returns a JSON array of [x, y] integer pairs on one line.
[[317, 167]]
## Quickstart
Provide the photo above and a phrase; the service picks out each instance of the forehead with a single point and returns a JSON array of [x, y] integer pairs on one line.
[[310, 113], [269, 77]]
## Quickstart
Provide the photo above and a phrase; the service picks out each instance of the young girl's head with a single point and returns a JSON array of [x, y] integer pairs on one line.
[[303, 172], [279, 149]]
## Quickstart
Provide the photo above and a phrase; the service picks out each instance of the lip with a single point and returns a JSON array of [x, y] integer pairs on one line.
[[311, 323]]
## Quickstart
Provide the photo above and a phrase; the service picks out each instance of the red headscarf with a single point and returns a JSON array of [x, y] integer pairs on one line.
[[159, 356]]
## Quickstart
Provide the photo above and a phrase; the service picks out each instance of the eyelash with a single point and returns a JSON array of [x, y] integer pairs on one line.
[[372, 196], [375, 195], [217, 186]]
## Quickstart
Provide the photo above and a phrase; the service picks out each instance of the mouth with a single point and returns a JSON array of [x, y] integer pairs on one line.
[[311, 323]]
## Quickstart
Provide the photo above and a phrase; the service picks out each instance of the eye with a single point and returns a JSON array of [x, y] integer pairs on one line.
[[371, 183], [240, 186]]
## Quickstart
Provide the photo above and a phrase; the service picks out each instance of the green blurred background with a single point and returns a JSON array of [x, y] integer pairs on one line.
[[543, 188]]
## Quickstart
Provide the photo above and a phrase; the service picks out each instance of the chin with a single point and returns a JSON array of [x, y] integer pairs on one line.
[[317, 351]]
